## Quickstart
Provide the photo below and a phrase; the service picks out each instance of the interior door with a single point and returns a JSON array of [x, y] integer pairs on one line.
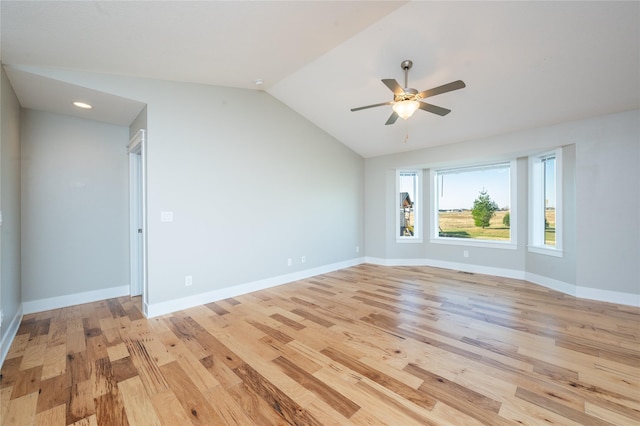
[[137, 211]]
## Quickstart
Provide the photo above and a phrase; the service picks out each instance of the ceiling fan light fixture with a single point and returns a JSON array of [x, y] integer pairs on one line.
[[405, 109]]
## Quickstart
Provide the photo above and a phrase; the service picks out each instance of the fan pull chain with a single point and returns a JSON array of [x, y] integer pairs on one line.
[[406, 126]]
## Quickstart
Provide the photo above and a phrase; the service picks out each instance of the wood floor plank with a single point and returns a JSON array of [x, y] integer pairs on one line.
[[55, 416], [227, 407], [558, 408], [110, 409], [21, 411], [216, 308], [88, 421], [18, 346], [337, 401], [137, 404], [419, 398], [76, 341], [366, 345], [33, 356], [27, 381], [286, 407], [457, 396], [192, 400], [289, 351], [256, 407], [55, 361], [53, 392], [519, 411], [80, 404], [5, 397], [490, 386], [169, 409], [612, 416], [146, 367], [287, 321], [272, 332], [57, 333], [123, 369], [200, 376], [377, 403], [118, 351]]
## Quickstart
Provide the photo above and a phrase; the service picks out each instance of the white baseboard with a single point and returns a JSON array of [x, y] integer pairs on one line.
[[617, 297], [40, 305], [162, 308], [10, 334], [620, 298], [551, 283], [464, 267], [600, 295]]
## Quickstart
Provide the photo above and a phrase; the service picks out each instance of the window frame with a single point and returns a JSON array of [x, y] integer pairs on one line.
[[435, 237], [417, 208], [536, 243]]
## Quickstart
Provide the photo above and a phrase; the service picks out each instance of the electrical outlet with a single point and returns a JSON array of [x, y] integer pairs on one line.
[[303, 259], [188, 280], [289, 262], [465, 253], [357, 249]]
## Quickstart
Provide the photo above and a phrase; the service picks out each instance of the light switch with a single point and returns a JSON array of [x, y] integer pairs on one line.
[[166, 216]]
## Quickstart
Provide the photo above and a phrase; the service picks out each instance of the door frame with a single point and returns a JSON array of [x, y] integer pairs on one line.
[[138, 217]]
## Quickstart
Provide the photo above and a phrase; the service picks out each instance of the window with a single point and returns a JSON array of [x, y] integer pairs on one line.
[[473, 205], [545, 191], [408, 208]]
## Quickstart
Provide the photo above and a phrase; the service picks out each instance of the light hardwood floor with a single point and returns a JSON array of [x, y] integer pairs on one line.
[[364, 345]]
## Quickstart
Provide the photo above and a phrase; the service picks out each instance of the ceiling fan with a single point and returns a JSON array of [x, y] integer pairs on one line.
[[406, 101]]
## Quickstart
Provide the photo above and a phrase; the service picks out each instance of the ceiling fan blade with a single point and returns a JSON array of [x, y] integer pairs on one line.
[[454, 85], [434, 109], [393, 85], [392, 118], [371, 106]]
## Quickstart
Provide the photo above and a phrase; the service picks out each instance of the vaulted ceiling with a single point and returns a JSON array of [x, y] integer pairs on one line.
[[525, 64]]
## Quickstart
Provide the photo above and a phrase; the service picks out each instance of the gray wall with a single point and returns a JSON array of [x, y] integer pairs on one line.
[[10, 296], [250, 183], [601, 202], [608, 204], [140, 123], [74, 205]]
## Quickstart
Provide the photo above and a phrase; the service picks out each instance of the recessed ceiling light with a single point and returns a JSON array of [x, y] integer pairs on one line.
[[83, 105], [259, 82]]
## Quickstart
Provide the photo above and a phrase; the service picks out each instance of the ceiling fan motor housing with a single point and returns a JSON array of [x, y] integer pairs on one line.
[[408, 95]]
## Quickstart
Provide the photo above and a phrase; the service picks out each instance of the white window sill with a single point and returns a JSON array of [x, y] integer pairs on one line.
[[505, 245], [409, 240], [547, 251]]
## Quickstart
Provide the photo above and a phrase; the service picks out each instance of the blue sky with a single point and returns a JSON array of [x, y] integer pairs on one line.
[[459, 190]]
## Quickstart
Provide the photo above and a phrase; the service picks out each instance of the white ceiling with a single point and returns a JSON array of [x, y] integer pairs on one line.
[[526, 64]]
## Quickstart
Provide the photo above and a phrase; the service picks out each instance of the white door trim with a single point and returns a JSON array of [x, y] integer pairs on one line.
[[138, 217]]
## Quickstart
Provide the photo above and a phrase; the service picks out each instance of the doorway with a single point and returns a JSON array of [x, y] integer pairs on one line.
[[137, 219]]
